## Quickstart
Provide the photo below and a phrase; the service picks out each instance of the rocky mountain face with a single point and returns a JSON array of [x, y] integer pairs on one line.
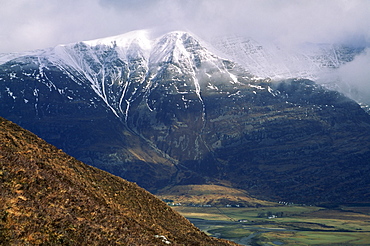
[[167, 111], [50, 198]]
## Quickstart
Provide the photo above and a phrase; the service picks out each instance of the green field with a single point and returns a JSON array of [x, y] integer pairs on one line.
[[294, 225]]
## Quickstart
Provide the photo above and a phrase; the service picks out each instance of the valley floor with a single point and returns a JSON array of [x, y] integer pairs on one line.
[[284, 225]]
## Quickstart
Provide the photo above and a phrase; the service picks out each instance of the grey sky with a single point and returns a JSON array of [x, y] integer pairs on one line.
[[32, 24]]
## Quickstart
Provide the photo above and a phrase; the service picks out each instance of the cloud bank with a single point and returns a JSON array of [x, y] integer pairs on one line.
[[30, 24]]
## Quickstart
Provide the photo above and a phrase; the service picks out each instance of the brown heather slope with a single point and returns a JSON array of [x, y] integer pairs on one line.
[[50, 198]]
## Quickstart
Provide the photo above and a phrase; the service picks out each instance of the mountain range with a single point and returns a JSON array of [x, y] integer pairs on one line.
[[167, 112]]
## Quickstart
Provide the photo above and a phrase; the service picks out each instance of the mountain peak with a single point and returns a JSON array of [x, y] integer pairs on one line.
[[141, 37], [144, 38]]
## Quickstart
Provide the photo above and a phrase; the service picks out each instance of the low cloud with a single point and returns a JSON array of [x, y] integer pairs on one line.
[[353, 78]]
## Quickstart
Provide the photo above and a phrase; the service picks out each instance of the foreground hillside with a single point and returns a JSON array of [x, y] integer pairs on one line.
[[48, 197]]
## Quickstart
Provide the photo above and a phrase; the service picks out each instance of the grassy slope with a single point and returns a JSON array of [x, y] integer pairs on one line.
[[49, 197]]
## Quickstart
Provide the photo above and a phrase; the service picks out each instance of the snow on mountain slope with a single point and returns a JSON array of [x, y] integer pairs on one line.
[[260, 59], [127, 67]]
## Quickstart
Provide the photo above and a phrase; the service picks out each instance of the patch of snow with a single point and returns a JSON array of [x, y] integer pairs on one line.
[[273, 92], [164, 239], [233, 77], [257, 87]]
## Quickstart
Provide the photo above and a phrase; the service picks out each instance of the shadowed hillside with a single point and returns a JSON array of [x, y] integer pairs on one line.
[[50, 198]]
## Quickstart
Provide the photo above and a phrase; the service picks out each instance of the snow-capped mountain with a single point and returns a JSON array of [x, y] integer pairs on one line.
[[105, 63], [166, 110], [123, 68]]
